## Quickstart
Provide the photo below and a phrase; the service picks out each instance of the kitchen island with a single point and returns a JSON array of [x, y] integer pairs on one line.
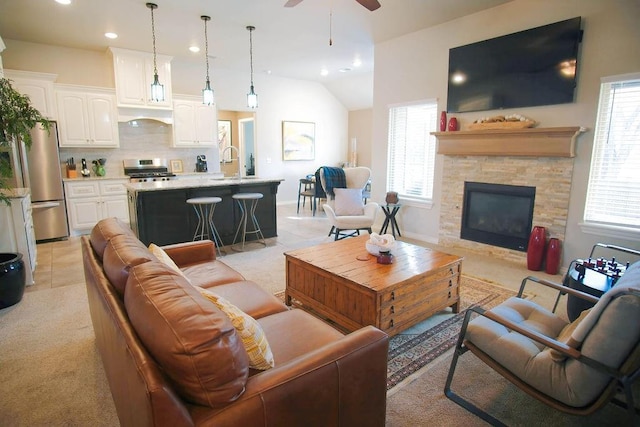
[[159, 212]]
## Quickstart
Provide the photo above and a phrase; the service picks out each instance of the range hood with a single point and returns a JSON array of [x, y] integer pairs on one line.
[[126, 114]]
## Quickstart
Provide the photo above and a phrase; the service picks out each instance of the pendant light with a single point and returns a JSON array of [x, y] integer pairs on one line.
[[252, 97], [157, 90], [207, 92]]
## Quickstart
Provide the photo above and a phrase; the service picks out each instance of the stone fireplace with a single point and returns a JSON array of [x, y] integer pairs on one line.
[[486, 157]]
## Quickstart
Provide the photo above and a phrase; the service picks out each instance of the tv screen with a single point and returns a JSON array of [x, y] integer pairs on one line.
[[525, 69]]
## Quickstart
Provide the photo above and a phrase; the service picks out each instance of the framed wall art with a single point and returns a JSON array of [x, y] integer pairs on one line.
[[176, 166], [224, 139], [298, 140]]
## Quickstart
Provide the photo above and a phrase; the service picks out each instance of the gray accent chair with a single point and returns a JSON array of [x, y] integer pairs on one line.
[[575, 367]]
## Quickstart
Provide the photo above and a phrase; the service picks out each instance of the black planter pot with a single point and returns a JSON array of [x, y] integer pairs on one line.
[[12, 279]]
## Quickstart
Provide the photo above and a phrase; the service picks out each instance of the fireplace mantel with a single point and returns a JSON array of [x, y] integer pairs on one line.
[[532, 142]]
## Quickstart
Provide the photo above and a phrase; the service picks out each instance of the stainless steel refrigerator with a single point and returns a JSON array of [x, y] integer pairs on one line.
[[40, 170]]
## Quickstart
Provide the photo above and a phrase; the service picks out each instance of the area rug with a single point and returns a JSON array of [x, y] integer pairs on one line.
[[409, 352]]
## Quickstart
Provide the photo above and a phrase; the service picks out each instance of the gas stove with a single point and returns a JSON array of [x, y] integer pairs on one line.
[[147, 170]]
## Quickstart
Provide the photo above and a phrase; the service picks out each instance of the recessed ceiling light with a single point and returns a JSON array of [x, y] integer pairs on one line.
[[357, 62], [194, 49], [344, 70], [324, 72], [111, 35], [63, 1]]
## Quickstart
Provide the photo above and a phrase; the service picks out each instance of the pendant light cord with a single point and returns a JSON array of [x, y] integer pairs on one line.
[[251, 53], [153, 35], [206, 45]]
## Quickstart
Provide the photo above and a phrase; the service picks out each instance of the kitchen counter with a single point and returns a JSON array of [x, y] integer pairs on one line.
[[95, 177], [159, 212], [197, 182], [16, 193]]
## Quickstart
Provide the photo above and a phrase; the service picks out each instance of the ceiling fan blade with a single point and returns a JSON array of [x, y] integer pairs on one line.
[[292, 3], [369, 4]]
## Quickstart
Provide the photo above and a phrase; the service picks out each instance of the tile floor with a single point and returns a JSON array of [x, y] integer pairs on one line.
[[60, 263]]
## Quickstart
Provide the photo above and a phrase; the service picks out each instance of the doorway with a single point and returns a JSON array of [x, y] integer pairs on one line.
[[242, 137], [247, 145]]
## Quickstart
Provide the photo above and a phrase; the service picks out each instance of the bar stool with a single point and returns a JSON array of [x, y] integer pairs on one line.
[[204, 207], [248, 213]]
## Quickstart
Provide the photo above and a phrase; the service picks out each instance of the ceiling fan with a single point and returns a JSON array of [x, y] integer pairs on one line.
[[369, 4]]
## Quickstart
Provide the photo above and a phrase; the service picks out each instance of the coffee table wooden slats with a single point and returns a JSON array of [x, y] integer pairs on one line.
[[329, 280]]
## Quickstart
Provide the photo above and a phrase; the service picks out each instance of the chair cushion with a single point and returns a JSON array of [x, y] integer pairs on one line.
[[192, 339], [251, 334], [249, 297], [348, 201], [571, 382]]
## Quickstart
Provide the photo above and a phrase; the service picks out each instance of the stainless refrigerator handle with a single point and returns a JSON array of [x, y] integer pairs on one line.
[[44, 205], [22, 148]]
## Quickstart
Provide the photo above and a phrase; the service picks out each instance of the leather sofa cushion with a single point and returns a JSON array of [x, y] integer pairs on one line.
[[211, 273], [105, 230], [304, 334], [250, 298], [193, 341], [121, 253]]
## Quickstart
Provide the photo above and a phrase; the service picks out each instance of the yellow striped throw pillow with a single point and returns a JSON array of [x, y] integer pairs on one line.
[[250, 331]]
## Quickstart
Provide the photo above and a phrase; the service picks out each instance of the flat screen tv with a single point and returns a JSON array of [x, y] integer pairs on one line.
[[525, 69]]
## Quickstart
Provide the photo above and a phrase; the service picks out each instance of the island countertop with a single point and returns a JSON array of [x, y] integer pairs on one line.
[[197, 182]]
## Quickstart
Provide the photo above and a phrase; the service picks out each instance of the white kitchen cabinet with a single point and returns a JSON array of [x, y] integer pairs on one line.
[[89, 201], [87, 117], [134, 75], [16, 230], [194, 124], [38, 87]]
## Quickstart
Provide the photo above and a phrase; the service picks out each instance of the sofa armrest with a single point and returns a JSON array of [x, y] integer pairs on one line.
[[342, 383], [191, 252]]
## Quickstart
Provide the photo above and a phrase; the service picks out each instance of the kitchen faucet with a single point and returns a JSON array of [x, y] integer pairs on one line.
[[231, 147]]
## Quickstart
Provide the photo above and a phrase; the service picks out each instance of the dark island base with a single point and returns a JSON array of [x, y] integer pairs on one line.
[[163, 217]]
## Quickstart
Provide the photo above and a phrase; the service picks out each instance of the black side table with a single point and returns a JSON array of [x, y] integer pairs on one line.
[[390, 212]]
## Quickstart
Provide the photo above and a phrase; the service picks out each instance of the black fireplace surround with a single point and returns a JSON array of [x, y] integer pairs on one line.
[[497, 214]]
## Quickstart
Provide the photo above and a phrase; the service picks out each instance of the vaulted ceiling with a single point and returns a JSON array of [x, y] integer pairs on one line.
[[291, 42]]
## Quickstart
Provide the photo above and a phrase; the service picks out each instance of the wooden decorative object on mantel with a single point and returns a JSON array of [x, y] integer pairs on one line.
[[532, 142]]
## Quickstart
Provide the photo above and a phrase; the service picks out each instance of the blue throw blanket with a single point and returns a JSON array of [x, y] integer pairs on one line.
[[333, 178]]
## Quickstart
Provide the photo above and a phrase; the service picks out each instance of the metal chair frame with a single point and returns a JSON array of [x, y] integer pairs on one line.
[[619, 381]]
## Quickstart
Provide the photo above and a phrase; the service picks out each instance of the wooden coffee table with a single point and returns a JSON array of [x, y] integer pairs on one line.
[[331, 281]]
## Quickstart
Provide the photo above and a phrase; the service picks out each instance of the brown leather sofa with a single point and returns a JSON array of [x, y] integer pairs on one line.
[[173, 358]]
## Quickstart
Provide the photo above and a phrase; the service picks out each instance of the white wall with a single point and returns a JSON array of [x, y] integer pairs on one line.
[[279, 99], [414, 67]]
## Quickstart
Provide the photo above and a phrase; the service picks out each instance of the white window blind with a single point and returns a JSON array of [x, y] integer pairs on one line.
[[613, 195], [412, 150]]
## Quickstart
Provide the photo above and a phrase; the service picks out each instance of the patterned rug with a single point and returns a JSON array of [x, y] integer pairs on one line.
[[408, 353]]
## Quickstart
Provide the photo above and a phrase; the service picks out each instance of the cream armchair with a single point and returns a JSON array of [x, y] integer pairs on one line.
[[574, 367], [346, 210]]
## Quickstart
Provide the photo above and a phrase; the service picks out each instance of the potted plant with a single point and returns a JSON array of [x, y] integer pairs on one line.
[[17, 118]]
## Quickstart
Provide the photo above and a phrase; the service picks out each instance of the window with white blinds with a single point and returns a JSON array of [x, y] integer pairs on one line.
[[613, 195], [412, 150]]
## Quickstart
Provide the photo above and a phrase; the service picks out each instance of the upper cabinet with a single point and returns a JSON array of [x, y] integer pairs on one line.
[[87, 117], [38, 87], [194, 124], [134, 75]]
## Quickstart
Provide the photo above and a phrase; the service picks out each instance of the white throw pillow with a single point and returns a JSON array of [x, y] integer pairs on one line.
[[348, 201]]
